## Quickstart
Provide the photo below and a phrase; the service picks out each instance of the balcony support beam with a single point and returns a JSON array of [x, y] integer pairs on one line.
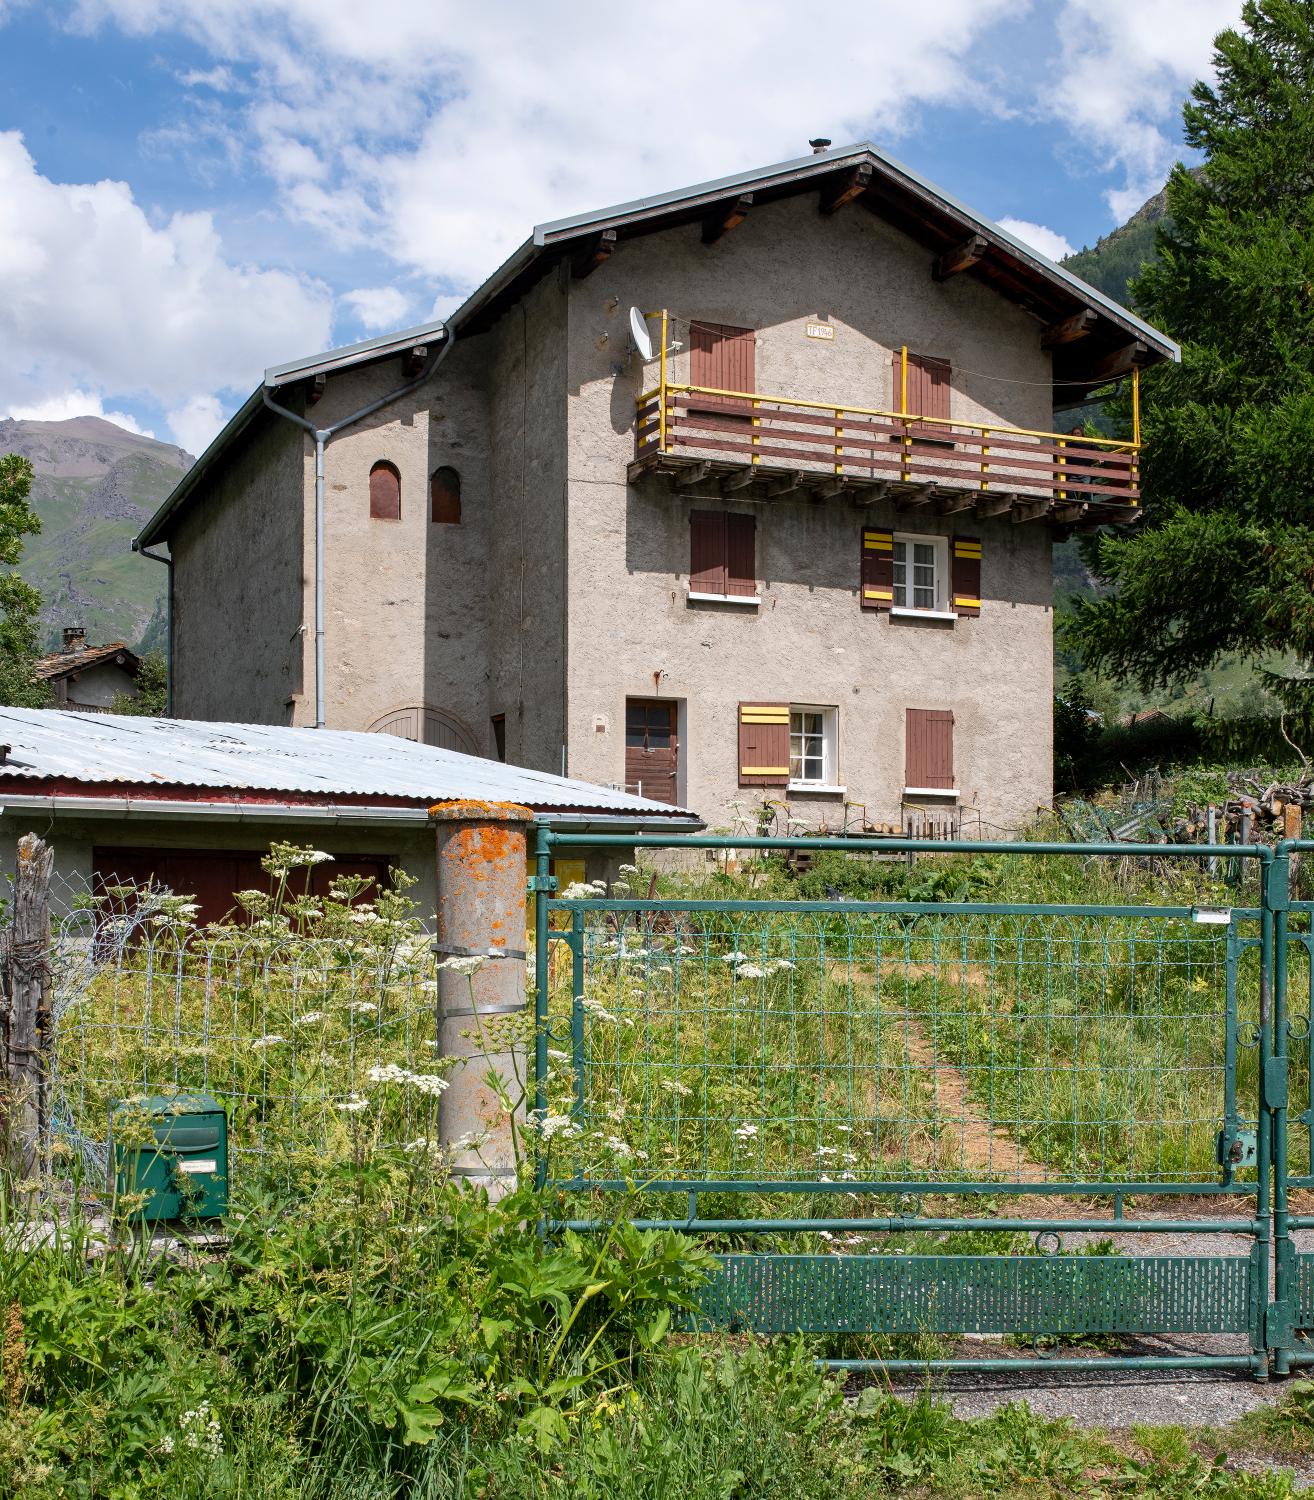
[[960, 258], [786, 486], [688, 478], [1075, 327], [1029, 510], [950, 505], [1120, 361], [871, 494], [914, 499], [598, 250], [844, 189], [998, 504], [740, 479], [725, 217]]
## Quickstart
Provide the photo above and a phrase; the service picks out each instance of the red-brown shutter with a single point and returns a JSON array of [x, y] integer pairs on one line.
[[928, 391], [877, 569], [722, 358], [445, 497], [965, 576], [929, 748], [707, 552], [764, 744], [385, 493], [741, 554]]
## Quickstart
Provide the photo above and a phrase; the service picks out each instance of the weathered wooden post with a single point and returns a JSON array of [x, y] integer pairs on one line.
[[482, 876], [26, 1014]]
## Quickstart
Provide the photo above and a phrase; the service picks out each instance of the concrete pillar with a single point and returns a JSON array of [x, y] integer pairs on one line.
[[482, 874]]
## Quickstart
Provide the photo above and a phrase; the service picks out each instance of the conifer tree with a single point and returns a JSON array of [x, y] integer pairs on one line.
[[1224, 558]]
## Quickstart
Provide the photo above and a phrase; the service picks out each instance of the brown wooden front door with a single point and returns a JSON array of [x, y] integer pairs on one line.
[[652, 749]]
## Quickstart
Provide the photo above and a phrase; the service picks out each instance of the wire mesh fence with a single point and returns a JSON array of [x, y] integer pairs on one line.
[[757, 1045], [311, 1040]]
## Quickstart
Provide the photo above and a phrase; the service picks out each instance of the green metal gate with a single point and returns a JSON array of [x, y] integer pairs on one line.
[[860, 1104]]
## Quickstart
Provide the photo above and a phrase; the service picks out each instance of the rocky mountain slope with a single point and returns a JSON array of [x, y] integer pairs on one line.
[[94, 486]]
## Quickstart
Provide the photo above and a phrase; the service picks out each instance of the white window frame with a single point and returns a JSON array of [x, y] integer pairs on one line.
[[940, 610], [829, 781]]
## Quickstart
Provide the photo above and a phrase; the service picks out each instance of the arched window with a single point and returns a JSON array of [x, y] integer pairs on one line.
[[385, 492], [445, 496]]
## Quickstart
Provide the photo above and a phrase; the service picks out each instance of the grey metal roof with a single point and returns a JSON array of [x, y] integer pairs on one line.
[[352, 354], [46, 745], [544, 236]]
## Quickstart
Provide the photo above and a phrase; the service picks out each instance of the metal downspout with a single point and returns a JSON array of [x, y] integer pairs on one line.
[[322, 437], [168, 619]]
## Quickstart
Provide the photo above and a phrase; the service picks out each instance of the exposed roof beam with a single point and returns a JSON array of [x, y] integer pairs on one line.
[[1075, 327], [786, 486], [597, 250], [830, 488], [960, 257], [1118, 361], [1029, 510], [725, 217], [836, 192], [911, 499], [689, 477], [998, 504], [870, 494], [739, 480]]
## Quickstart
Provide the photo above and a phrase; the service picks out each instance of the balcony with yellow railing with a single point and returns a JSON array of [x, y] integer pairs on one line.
[[747, 437]]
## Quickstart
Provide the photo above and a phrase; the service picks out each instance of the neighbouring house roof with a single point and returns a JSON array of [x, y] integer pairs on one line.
[[65, 663], [117, 763], [888, 187]]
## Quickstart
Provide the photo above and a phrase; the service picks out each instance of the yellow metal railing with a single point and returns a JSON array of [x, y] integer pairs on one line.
[[1076, 460]]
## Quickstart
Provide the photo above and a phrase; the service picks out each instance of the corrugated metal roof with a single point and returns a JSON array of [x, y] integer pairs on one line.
[[46, 745]]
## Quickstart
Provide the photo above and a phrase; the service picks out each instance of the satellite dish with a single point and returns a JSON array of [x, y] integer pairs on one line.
[[639, 333]]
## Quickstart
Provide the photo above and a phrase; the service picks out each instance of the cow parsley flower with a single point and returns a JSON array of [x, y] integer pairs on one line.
[[272, 1040]]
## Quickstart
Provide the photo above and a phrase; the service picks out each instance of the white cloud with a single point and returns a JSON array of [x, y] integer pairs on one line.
[[1048, 241], [378, 306], [65, 405], [196, 422], [439, 133], [1123, 68], [98, 299]]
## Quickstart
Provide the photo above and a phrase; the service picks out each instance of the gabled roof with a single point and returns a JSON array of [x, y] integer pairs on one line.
[[859, 174], [65, 663], [84, 755]]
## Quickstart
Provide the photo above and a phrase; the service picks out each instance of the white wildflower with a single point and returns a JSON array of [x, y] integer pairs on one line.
[[428, 1083], [620, 888], [745, 1132], [362, 1007], [577, 891], [734, 958], [596, 1009], [317, 857], [272, 1040], [826, 1150], [557, 1055], [309, 1019], [598, 885], [628, 869], [674, 1086], [749, 971], [824, 1234], [552, 1124], [354, 1105], [461, 963], [619, 1147], [387, 1073], [365, 915]]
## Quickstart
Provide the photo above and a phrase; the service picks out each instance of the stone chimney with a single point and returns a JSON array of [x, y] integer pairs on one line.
[[75, 637]]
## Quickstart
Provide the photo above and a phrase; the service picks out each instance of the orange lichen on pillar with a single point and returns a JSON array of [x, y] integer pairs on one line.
[[471, 810]]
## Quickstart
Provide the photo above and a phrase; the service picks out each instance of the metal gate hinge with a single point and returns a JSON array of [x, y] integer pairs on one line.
[[546, 883]]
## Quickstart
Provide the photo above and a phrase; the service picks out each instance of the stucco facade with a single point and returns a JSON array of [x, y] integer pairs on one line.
[[564, 590]]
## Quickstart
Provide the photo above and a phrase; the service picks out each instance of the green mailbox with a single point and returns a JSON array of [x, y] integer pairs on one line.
[[174, 1148]]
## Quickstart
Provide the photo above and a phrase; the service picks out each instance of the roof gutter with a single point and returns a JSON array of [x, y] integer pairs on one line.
[[168, 616], [323, 436], [297, 812]]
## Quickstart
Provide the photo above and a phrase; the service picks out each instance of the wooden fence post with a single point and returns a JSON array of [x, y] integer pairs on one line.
[[25, 1019]]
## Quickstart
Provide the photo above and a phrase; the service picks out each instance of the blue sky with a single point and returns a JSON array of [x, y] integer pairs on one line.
[[191, 192]]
